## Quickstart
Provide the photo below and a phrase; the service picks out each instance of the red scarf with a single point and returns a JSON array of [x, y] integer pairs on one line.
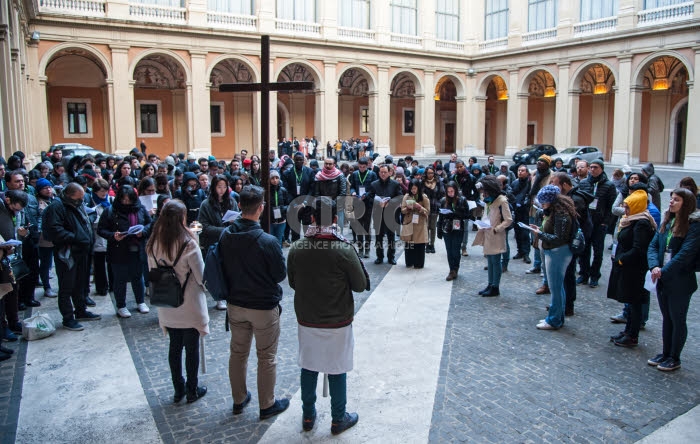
[[325, 174]]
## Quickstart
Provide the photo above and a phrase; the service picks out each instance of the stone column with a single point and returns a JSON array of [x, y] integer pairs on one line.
[[468, 126], [478, 122], [426, 24], [197, 14], [319, 116], [562, 112], [572, 123], [328, 18], [692, 138], [517, 23], [419, 116], [626, 15], [118, 9], [272, 130], [427, 121], [123, 110], [199, 120], [331, 103], [567, 16], [182, 120], [621, 144], [380, 119], [462, 123], [111, 142], [380, 11], [266, 11], [517, 116]]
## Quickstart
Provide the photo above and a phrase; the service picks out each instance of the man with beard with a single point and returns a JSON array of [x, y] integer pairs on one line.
[[520, 189], [581, 172], [381, 192], [298, 182], [539, 180], [360, 182], [600, 208]]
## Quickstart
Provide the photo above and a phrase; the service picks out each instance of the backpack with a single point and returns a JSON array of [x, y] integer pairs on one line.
[[213, 276], [166, 290], [577, 244], [512, 214]]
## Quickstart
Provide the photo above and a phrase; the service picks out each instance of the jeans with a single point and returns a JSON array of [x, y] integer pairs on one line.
[[557, 261], [465, 236], [265, 326], [537, 260], [189, 339], [337, 387], [674, 311], [494, 263], [522, 237], [505, 257], [363, 237], [453, 241], [597, 243], [341, 221], [634, 320], [432, 224], [45, 264], [414, 254], [71, 285], [129, 272], [277, 230], [543, 261]]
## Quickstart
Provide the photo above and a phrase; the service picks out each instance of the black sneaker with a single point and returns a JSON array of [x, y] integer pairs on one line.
[[8, 335], [594, 283], [656, 360], [527, 260], [349, 420], [89, 302], [88, 316], [618, 336], [581, 280], [669, 365], [278, 407], [238, 408], [626, 341], [73, 325], [307, 423], [198, 393], [518, 256], [534, 270]]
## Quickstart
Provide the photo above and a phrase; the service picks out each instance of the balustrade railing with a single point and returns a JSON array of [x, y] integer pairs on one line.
[[83, 8], [493, 45], [449, 46], [599, 26], [356, 34], [232, 21], [297, 27], [157, 13], [406, 40], [541, 36], [666, 14]]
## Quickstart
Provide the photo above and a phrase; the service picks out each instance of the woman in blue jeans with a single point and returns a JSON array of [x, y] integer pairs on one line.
[[555, 233], [451, 226]]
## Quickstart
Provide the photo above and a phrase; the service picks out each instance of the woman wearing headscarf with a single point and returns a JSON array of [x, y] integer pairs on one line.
[[454, 213], [415, 208], [672, 258], [493, 239], [555, 233], [629, 264], [434, 190]]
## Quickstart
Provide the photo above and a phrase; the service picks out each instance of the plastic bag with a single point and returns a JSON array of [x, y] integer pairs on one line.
[[38, 326]]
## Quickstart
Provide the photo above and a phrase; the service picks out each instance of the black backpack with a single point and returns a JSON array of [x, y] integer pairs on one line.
[[166, 290]]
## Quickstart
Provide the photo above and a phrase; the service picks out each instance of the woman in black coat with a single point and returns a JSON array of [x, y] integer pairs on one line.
[[626, 284], [451, 224], [672, 255], [125, 252]]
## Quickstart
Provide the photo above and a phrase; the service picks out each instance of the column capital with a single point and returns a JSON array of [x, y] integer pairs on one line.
[[461, 98], [330, 63], [383, 66], [523, 95], [574, 92], [563, 64], [625, 58], [198, 54], [3, 32], [419, 96], [109, 83], [119, 49], [637, 89], [429, 70], [369, 94], [42, 80], [132, 83], [513, 70], [480, 99]]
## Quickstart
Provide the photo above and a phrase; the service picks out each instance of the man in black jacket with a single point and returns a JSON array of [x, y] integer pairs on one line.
[[191, 195], [254, 265], [520, 189], [298, 182], [382, 192], [603, 191], [467, 185], [66, 224], [360, 183]]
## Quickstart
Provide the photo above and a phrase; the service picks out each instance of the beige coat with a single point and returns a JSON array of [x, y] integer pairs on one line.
[[494, 239], [415, 233], [193, 312]]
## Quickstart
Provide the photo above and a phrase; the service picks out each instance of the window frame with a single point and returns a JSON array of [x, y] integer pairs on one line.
[[546, 3], [402, 8], [439, 14], [494, 13], [88, 117], [228, 9], [159, 112], [364, 120], [342, 16], [613, 4], [222, 119], [294, 8]]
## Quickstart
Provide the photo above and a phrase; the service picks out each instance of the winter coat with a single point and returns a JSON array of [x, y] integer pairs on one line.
[[654, 183], [382, 189], [604, 191], [116, 219], [67, 225], [629, 265], [494, 239], [330, 188], [556, 228], [193, 311], [193, 201], [100, 245], [212, 223], [279, 197], [415, 233], [460, 212], [434, 195], [520, 189], [678, 275], [305, 179]]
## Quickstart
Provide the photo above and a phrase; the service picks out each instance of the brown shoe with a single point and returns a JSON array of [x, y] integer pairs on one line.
[[542, 290], [464, 252], [452, 276]]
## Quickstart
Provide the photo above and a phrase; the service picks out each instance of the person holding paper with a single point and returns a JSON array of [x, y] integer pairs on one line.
[[629, 264], [279, 201], [191, 195], [415, 208], [467, 186], [360, 182], [298, 181], [435, 190], [454, 213], [382, 191], [497, 217]]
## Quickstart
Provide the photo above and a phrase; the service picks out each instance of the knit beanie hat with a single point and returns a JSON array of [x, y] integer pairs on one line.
[[545, 158], [274, 173], [548, 194], [599, 163], [399, 170], [637, 201], [42, 183]]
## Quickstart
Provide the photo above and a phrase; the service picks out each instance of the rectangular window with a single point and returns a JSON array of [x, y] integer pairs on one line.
[[404, 17], [77, 117], [652, 4], [243, 7], [496, 19], [364, 120], [149, 118], [215, 117], [598, 9], [447, 20], [300, 10], [541, 14], [354, 13]]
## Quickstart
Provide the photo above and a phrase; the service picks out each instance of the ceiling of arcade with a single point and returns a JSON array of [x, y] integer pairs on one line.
[[597, 80], [158, 71], [666, 73], [542, 85], [497, 89], [353, 82], [75, 67], [230, 71], [296, 72], [447, 91], [402, 86]]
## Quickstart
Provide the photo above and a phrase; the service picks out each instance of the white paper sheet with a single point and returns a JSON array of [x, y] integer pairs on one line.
[[482, 224], [471, 204], [149, 202], [648, 284], [230, 216]]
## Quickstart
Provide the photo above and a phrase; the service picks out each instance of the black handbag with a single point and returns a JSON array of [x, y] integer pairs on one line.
[[13, 269], [166, 290]]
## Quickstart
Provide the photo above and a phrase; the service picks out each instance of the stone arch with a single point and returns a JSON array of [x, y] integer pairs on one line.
[[486, 80], [672, 134], [525, 83], [310, 67], [413, 75], [575, 82], [51, 53], [638, 77], [251, 67], [372, 81], [158, 51], [459, 84]]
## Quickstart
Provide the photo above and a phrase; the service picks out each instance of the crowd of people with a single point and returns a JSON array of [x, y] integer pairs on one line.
[[116, 218]]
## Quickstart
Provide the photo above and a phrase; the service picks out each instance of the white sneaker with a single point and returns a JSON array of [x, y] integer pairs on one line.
[[123, 313], [545, 326], [143, 308], [221, 305]]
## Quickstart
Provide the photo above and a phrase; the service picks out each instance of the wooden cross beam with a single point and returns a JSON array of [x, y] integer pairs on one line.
[[265, 86]]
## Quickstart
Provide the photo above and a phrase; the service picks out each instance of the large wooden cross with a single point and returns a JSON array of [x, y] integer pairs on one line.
[[265, 87]]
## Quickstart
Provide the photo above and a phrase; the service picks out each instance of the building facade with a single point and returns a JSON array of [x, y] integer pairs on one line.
[[420, 77]]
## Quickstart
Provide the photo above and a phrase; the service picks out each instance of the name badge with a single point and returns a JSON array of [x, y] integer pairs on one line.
[[362, 191], [416, 217], [298, 189], [594, 205], [277, 213], [456, 224], [667, 257], [614, 249]]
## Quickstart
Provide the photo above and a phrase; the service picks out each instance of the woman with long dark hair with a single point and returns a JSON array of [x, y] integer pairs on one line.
[[555, 233], [186, 323], [454, 213], [415, 208], [433, 188], [672, 254]]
